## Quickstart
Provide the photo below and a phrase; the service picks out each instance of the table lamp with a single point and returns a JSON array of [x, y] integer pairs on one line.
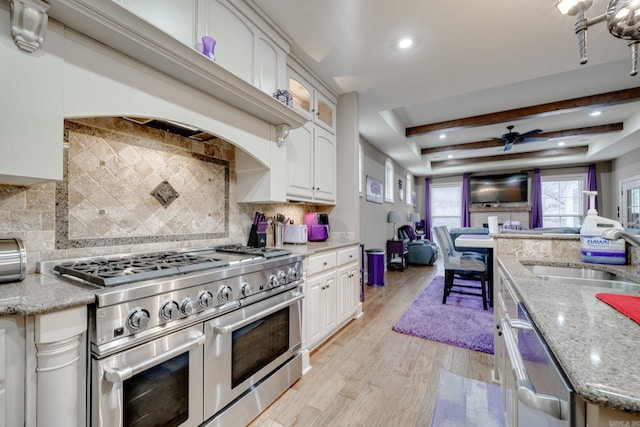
[[394, 217]]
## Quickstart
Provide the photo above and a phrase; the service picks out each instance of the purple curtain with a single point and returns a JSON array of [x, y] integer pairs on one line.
[[536, 202], [427, 209], [591, 182], [465, 218]]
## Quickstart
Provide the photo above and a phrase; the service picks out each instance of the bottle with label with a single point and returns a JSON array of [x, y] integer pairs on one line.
[[593, 247]]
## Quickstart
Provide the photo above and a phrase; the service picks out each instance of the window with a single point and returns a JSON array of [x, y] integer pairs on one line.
[[562, 200], [446, 205], [409, 190], [388, 181]]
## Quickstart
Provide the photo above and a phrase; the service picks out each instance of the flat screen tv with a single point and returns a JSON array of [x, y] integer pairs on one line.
[[498, 188]]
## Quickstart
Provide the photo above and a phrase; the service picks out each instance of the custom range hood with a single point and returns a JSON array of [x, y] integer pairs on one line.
[[101, 60]]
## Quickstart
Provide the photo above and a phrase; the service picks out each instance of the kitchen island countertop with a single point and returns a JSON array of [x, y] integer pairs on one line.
[[597, 346]]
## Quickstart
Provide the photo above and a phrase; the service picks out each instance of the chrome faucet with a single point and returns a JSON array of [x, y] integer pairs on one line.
[[615, 234]]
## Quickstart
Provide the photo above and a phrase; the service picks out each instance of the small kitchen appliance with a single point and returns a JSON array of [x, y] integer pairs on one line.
[[317, 226], [13, 260], [295, 233]]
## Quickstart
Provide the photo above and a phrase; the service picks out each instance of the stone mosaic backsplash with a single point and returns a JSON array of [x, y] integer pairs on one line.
[[104, 205], [109, 189]]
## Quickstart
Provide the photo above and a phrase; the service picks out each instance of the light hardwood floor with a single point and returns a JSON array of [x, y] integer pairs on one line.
[[369, 375]]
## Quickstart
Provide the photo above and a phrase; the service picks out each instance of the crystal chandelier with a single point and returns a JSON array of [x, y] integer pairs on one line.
[[622, 18]]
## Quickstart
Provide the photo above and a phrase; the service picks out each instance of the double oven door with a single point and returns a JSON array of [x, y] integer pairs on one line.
[[158, 383], [246, 346]]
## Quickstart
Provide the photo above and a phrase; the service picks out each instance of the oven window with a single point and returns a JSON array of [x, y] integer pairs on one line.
[[257, 344], [159, 395]]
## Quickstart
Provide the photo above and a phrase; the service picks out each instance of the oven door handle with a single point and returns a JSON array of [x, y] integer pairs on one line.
[[526, 393], [227, 329], [120, 375]]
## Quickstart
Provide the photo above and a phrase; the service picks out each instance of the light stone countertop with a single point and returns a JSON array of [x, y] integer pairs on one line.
[[38, 294], [311, 248], [597, 346]]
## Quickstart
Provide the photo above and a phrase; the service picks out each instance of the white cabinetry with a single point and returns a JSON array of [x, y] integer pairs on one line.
[[31, 123], [332, 293], [321, 298], [12, 356], [245, 45], [311, 149], [348, 283], [256, 54], [43, 369], [311, 165]]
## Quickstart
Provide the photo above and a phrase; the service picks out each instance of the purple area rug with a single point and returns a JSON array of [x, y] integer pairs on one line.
[[463, 402], [461, 321]]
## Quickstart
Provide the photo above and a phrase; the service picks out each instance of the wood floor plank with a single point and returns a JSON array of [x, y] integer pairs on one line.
[[369, 375]]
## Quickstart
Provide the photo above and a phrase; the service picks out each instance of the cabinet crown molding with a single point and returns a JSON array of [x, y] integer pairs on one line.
[[118, 28]]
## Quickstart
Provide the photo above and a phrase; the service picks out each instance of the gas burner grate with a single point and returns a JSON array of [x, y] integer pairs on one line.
[[119, 271], [250, 250]]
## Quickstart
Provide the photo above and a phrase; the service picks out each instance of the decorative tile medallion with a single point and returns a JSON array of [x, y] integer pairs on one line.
[[165, 194]]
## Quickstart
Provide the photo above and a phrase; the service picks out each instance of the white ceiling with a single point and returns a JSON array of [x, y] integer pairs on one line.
[[468, 58]]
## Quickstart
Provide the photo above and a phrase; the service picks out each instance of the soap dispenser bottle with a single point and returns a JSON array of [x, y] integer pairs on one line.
[[595, 249]]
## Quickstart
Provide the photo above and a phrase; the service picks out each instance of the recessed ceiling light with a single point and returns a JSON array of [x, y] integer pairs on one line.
[[405, 43], [595, 113], [442, 136], [450, 156], [561, 143]]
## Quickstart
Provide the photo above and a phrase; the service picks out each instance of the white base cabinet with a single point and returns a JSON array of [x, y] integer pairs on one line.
[[12, 357], [43, 369], [332, 295]]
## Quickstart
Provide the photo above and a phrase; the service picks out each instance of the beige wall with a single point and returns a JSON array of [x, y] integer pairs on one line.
[[374, 229]]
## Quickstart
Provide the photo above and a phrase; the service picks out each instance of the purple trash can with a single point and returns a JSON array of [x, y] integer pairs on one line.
[[375, 265]]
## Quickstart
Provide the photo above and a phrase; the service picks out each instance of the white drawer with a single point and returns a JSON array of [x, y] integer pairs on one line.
[[348, 255], [322, 262]]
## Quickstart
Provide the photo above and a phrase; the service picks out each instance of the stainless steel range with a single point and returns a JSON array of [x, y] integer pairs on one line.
[[206, 336]]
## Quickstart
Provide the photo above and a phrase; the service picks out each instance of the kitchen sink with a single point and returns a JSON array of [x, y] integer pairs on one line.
[[583, 276]]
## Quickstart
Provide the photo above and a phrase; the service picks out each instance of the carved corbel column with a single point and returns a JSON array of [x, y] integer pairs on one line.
[[282, 132], [28, 23]]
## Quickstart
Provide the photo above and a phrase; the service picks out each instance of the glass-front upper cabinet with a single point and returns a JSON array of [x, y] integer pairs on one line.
[[324, 111], [301, 95], [310, 102]]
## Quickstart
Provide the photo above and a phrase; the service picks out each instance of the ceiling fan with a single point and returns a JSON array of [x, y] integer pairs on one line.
[[511, 137]]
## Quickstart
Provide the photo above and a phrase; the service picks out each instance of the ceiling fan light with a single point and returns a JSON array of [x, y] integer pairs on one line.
[[571, 7]]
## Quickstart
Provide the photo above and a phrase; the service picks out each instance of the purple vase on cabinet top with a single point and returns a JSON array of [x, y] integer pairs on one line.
[[208, 45]]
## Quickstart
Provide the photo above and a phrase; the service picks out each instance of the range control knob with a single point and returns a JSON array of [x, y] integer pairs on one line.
[[282, 277], [247, 289], [225, 293], [206, 299], [170, 311], [292, 274], [273, 281], [138, 320], [188, 306]]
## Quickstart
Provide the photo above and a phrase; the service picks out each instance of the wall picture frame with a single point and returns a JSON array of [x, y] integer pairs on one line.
[[374, 190], [400, 191]]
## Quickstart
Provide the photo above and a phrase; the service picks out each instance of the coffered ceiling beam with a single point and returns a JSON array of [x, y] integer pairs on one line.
[[601, 100], [491, 143], [516, 156]]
